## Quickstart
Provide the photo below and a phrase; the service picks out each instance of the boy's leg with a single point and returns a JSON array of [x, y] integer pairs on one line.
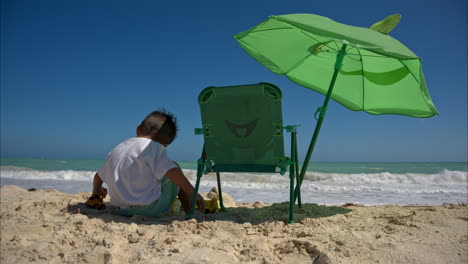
[[169, 192]]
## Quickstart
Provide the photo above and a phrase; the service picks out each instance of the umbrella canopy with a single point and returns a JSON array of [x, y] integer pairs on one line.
[[360, 68], [378, 74]]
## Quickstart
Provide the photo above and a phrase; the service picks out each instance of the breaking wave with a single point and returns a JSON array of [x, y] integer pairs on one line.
[[444, 177]]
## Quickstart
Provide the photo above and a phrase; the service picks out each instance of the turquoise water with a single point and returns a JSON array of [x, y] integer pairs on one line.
[[53, 164], [324, 183], [327, 167]]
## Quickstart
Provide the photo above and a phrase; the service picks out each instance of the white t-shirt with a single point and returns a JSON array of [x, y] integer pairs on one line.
[[133, 172]]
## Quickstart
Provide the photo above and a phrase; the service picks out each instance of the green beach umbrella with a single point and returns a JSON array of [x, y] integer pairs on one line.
[[363, 69]]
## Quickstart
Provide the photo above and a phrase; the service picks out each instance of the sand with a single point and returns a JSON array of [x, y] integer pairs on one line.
[[54, 227]]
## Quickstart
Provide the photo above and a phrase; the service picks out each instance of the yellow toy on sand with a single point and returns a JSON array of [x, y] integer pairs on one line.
[[211, 206], [97, 201]]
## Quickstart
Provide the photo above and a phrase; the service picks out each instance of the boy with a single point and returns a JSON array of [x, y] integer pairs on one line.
[[140, 176]]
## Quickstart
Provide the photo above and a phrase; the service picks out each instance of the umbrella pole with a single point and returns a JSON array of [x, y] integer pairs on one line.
[[323, 111]]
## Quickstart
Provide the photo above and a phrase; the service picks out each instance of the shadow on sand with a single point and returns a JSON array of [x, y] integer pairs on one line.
[[274, 212]]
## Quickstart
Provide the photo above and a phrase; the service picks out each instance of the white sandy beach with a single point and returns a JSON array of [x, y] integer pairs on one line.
[[54, 227]]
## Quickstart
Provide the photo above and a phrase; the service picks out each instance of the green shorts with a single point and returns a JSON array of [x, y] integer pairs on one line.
[[169, 192]]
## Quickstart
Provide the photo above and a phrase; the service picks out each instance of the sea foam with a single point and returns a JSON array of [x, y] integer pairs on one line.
[[20, 173], [318, 187], [263, 180]]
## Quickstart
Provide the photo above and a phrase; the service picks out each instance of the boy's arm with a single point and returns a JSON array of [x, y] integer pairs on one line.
[[176, 175], [97, 186]]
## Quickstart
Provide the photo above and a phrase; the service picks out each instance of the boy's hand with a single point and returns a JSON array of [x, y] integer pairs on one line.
[[186, 190], [101, 192], [96, 202]]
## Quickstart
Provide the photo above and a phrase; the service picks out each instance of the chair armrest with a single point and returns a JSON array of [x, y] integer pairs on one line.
[[291, 128], [199, 131]]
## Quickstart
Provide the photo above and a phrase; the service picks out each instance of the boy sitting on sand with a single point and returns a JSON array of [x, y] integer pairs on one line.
[[140, 176]]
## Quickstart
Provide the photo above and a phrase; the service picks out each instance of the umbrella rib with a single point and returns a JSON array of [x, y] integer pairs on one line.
[[262, 30], [383, 57], [360, 55], [373, 56], [362, 78], [305, 33], [336, 44], [416, 79], [299, 63], [351, 47], [337, 48], [347, 55]]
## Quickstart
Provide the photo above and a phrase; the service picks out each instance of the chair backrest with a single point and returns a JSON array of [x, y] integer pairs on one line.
[[243, 127]]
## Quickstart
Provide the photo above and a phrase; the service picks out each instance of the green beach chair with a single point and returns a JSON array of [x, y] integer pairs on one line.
[[243, 132]]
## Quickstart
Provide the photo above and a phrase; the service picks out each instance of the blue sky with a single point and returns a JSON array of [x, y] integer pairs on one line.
[[78, 76]]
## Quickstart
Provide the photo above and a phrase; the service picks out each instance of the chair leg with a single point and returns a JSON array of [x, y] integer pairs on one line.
[[220, 193], [291, 196], [195, 193], [296, 164], [292, 172]]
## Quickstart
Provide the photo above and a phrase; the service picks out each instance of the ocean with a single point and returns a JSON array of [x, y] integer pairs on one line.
[[329, 183]]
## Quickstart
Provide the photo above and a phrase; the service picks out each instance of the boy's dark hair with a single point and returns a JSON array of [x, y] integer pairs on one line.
[[160, 124]]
